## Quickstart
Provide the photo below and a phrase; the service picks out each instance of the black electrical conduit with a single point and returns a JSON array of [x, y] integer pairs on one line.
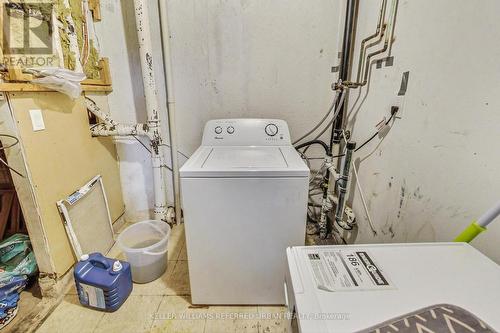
[[347, 48], [345, 65], [394, 110], [314, 142]]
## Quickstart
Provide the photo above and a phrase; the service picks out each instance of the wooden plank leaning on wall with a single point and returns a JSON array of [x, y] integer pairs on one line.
[[56, 161], [95, 156]]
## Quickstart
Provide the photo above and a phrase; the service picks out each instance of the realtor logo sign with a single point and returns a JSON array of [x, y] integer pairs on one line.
[[27, 33]]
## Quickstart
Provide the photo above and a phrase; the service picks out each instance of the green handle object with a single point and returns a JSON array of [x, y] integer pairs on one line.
[[470, 233], [477, 227]]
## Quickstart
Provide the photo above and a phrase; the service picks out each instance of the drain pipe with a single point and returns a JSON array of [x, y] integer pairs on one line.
[[345, 67], [169, 81], [152, 107], [110, 127], [343, 186], [151, 129]]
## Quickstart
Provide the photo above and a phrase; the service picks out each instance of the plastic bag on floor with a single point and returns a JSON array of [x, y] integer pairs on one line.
[[8, 303], [12, 246], [17, 264], [12, 285], [8, 309]]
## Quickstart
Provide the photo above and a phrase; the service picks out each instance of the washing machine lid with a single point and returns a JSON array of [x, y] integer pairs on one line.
[[244, 162]]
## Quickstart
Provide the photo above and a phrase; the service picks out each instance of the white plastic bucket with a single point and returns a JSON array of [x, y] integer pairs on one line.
[[145, 245]]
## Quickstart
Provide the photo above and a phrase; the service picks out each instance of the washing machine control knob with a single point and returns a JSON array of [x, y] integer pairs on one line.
[[218, 130], [271, 129], [230, 129]]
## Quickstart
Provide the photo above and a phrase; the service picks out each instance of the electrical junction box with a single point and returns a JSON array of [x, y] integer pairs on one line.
[[355, 288]]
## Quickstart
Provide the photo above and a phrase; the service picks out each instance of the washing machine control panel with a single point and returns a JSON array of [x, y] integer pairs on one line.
[[244, 132]]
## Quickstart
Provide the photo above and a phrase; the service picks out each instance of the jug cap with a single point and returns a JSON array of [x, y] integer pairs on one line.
[[117, 265], [84, 257]]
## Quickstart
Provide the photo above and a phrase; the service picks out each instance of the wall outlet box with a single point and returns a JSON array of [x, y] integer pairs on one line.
[[399, 102], [37, 120]]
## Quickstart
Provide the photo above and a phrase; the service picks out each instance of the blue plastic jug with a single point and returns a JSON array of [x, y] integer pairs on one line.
[[102, 283]]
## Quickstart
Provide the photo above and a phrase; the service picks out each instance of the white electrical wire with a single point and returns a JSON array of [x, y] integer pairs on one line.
[[335, 115], [317, 173], [321, 121], [315, 185], [361, 193], [363, 200]]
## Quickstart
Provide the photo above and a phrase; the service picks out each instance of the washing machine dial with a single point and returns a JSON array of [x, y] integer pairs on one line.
[[271, 129], [230, 129], [218, 130]]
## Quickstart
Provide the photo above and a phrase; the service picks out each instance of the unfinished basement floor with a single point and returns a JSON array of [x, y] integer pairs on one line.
[[159, 305]]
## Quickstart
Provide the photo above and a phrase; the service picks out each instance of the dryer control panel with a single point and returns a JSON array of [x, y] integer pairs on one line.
[[246, 132]]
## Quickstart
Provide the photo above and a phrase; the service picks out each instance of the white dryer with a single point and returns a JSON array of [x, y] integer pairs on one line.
[[244, 194], [392, 288]]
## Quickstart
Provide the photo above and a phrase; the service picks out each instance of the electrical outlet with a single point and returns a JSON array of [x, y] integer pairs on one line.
[[399, 103], [37, 120], [399, 100]]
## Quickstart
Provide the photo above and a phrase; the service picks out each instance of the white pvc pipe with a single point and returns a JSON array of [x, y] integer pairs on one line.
[[167, 66], [489, 216], [119, 130], [111, 127], [152, 106]]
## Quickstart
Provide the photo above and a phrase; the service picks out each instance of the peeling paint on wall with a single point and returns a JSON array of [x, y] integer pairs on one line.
[[72, 30]]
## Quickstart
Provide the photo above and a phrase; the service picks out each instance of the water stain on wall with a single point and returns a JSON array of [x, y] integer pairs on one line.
[[388, 228], [426, 232], [402, 198], [417, 194]]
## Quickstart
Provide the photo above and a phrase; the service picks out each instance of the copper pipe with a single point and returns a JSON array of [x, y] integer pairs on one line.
[[362, 50], [388, 40]]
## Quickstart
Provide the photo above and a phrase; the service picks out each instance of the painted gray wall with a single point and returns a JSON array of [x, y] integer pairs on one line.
[[231, 59], [437, 169], [430, 176]]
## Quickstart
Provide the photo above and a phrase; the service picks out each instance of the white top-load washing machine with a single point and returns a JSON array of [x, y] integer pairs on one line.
[[244, 194]]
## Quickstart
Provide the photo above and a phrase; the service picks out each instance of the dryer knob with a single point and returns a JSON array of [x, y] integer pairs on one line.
[[218, 130]]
